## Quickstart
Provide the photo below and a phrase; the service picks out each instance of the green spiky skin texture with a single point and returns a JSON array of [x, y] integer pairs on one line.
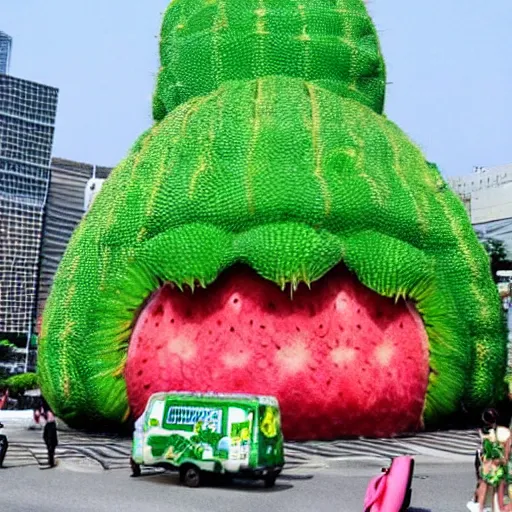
[[291, 179], [332, 44], [270, 150]]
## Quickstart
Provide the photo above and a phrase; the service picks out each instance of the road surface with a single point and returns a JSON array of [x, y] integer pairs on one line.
[[93, 475]]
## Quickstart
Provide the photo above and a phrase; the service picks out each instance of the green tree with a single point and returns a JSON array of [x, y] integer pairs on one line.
[[497, 255], [6, 350], [18, 384]]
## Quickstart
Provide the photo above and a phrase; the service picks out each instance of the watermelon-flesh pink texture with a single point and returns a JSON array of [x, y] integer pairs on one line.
[[340, 358]]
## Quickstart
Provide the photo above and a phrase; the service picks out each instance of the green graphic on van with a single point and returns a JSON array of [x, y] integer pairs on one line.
[[269, 425], [236, 434]]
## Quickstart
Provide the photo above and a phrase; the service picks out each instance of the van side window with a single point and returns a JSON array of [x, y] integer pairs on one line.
[[156, 412], [191, 416]]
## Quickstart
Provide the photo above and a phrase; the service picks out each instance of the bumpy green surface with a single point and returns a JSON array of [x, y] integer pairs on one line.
[[270, 148]]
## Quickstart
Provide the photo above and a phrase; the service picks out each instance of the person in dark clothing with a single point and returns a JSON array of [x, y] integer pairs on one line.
[[50, 430], [3, 447], [50, 437]]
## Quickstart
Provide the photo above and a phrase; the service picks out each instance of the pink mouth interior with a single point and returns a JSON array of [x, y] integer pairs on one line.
[[341, 359]]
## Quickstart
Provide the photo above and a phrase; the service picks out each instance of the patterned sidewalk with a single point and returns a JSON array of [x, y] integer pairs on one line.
[[114, 452]]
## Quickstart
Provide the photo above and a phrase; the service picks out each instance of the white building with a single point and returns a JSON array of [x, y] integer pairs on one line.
[[487, 194]]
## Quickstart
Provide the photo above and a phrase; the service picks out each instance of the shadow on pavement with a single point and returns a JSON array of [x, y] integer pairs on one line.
[[167, 478], [295, 477]]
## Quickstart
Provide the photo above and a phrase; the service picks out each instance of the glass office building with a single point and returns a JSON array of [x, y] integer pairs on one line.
[[5, 52], [27, 123]]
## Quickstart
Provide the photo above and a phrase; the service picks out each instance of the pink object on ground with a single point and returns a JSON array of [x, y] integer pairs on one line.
[[391, 491]]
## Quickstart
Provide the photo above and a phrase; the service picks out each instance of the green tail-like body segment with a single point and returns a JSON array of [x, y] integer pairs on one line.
[[270, 148]]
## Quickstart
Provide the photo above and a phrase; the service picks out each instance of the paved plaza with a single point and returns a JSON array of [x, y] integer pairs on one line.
[[93, 475]]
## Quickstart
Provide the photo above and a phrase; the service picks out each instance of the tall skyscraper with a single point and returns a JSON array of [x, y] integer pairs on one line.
[[5, 52], [27, 123]]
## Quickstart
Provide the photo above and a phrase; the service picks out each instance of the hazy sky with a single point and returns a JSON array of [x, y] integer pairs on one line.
[[450, 62]]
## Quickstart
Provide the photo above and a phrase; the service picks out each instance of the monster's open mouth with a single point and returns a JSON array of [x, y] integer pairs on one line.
[[357, 362]]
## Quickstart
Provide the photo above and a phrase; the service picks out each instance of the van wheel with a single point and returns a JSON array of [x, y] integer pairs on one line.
[[270, 480], [135, 468], [190, 475]]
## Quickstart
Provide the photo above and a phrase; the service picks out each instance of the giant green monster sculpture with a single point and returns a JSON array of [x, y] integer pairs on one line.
[[270, 167]]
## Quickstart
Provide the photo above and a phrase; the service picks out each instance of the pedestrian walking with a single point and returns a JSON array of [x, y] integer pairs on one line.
[[494, 458], [50, 430]]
